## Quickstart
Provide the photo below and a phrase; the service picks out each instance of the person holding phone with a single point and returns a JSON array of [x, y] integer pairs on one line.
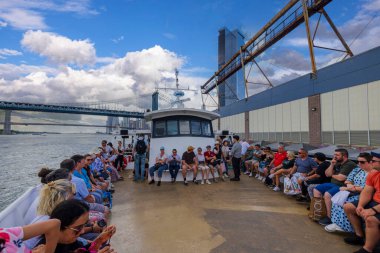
[[174, 161]]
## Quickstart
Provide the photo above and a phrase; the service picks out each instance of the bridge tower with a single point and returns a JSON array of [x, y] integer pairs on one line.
[[7, 122]]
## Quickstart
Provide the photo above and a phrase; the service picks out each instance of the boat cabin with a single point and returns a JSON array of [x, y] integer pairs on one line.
[[179, 128]]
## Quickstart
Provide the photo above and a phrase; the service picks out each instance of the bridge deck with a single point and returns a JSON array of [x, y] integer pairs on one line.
[[222, 217]]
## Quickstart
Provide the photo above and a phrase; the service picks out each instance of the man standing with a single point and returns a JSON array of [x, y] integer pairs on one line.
[[189, 162], [139, 151], [236, 157]]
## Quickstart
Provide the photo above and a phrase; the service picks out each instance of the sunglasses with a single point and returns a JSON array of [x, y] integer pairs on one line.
[[362, 162], [77, 229], [375, 161]]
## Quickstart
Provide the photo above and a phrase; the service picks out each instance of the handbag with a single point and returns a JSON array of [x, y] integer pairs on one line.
[[340, 198], [288, 187], [317, 209]]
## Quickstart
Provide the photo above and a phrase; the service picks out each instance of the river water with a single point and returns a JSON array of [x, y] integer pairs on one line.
[[23, 155]]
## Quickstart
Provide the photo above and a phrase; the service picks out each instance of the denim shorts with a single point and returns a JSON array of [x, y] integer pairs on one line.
[[331, 188], [369, 205]]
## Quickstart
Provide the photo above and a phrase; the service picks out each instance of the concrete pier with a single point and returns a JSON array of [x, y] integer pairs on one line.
[[7, 122], [242, 216]]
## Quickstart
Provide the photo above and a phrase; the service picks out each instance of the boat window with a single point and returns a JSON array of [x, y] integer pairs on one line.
[[172, 126], [160, 129], [206, 128], [184, 127], [196, 128]]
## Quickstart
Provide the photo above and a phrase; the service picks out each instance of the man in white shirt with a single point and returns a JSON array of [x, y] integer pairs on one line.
[[160, 165]]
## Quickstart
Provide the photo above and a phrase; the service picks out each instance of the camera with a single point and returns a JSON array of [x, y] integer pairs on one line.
[[102, 223]]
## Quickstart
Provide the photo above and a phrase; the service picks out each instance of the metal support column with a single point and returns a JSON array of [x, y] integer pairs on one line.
[[7, 122], [311, 50], [243, 69]]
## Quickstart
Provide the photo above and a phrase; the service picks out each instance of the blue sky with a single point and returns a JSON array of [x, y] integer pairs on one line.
[[187, 28], [84, 50]]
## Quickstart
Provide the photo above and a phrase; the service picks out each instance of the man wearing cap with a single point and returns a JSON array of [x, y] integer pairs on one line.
[[236, 157], [160, 165], [189, 162], [367, 209]]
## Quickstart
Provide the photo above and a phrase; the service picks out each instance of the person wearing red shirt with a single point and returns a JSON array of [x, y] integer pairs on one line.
[[367, 209], [278, 158], [211, 161]]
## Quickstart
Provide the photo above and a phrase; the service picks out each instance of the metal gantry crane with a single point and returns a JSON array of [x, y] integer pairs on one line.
[[286, 20]]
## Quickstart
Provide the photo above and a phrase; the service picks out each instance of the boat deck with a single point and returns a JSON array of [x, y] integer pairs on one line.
[[242, 216]]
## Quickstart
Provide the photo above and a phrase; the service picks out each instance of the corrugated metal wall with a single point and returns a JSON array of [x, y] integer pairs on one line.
[[352, 115]]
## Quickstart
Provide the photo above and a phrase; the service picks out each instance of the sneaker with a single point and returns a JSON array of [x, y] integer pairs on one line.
[[151, 181], [215, 180], [222, 178], [263, 180], [202, 182], [251, 174], [195, 181], [158, 183], [185, 183], [172, 180], [354, 240], [325, 221], [271, 176], [260, 178], [333, 228], [234, 179], [208, 182], [257, 176], [276, 189], [246, 173]]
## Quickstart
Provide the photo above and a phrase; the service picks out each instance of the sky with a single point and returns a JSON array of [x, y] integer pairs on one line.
[[67, 51]]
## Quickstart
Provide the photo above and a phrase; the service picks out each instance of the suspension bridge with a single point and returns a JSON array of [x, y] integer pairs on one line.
[[113, 108]]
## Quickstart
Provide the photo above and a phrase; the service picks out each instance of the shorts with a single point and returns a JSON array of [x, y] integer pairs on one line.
[[369, 205], [203, 167], [331, 188], [189, 166], [214, 163]]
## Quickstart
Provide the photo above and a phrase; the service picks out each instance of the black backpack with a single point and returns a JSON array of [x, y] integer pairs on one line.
[[140, 147]]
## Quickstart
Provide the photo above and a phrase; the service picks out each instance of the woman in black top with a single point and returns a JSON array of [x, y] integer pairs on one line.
[[119, 159]]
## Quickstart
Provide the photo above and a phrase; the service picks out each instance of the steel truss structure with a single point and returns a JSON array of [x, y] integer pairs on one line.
[[286, 20]]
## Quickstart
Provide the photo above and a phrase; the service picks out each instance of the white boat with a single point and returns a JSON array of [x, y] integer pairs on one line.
[[179, 128]]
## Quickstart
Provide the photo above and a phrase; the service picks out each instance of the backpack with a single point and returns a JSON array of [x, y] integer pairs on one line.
[[140, 147]]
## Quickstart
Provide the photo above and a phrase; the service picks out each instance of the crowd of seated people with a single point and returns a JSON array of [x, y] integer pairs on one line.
[[209, 163], [71, 212], [350, 192]]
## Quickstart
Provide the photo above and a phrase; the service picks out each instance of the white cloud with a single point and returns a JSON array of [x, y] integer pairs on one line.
[[132, 79], [12, 71], [9, 52], [23, 19], [59, 49], [117, 40], [372, 6], [3, 24], [26, 14]]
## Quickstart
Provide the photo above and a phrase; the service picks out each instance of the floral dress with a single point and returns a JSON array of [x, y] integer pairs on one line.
[[11, 240], [338, 216]]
